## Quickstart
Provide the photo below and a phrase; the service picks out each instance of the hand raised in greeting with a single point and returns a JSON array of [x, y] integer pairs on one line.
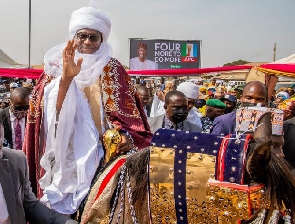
[[70, 68]]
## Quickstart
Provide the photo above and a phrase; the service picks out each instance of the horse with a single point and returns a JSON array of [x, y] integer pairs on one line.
[[198, 178]]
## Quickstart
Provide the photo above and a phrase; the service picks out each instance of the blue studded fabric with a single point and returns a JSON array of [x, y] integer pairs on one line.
[[179, 184], [233, 159], [184, 142], [198, 142]]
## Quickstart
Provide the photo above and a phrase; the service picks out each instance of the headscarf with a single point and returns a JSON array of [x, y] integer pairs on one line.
[[283, 94], [203, 89], [190, 90], [93, 64]]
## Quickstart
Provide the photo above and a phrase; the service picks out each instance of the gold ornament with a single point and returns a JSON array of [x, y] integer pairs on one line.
[[111, 139]]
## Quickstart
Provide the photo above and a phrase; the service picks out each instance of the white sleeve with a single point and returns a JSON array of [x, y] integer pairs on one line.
[[72, 157], [157, 107]]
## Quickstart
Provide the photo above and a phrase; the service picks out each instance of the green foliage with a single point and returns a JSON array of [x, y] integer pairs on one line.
[[238, 62]]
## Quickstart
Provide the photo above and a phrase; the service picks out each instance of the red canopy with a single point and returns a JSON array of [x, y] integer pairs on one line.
[[191, 71], [280, 68], [21, 73], [35, 73]]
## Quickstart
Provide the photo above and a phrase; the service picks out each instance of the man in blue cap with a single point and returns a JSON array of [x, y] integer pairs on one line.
[[230, 102]]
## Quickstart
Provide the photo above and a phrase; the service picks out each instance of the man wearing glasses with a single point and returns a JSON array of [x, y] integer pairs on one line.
[[13, 118], [83, 92]]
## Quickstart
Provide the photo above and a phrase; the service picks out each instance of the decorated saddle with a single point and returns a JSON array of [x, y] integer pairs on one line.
[[202, 178], [190, 177], [199, 178]]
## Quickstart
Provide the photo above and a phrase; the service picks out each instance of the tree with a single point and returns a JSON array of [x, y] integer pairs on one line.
[[238, 62]]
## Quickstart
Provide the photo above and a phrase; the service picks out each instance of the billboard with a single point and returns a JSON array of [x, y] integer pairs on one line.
[[150, 54]]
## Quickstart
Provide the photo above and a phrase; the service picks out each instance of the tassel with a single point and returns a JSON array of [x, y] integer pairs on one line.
[[287, 219], [274, 217], [260, 218]]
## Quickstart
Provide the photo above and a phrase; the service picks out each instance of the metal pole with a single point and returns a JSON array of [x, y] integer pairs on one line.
[[30, 33], [274, 52]]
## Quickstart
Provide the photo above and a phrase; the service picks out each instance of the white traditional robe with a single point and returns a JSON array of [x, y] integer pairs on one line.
[[135, 64], [68, 172]]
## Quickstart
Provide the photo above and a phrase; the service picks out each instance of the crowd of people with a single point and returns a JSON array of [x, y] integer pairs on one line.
[[211, 108], [59, 122], [9, 84]]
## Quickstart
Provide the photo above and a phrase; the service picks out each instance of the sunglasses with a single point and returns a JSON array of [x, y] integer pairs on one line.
[[20, 108], [91, 37]]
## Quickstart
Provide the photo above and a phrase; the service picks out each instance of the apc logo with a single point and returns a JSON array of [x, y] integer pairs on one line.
[[188, 59], [189, 53]]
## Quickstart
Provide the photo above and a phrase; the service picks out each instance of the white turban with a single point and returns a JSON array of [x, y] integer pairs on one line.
[[90, 18], [93, 64], [190, 90]]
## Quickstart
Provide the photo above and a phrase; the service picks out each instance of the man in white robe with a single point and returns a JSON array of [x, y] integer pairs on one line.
[[86, 92]]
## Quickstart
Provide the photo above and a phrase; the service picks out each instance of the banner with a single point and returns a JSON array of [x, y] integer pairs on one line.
[[24, 73], [278, 69], [190, 72], [153, 54]]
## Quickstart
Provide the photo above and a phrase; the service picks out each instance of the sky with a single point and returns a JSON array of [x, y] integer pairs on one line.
[[229, 29]]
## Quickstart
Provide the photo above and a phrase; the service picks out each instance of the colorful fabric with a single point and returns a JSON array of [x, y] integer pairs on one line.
[[206, 124], [247, 119], [122, 104], [18, 136], [95, 209], [288, 105], [34, 145], [278, 69]]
